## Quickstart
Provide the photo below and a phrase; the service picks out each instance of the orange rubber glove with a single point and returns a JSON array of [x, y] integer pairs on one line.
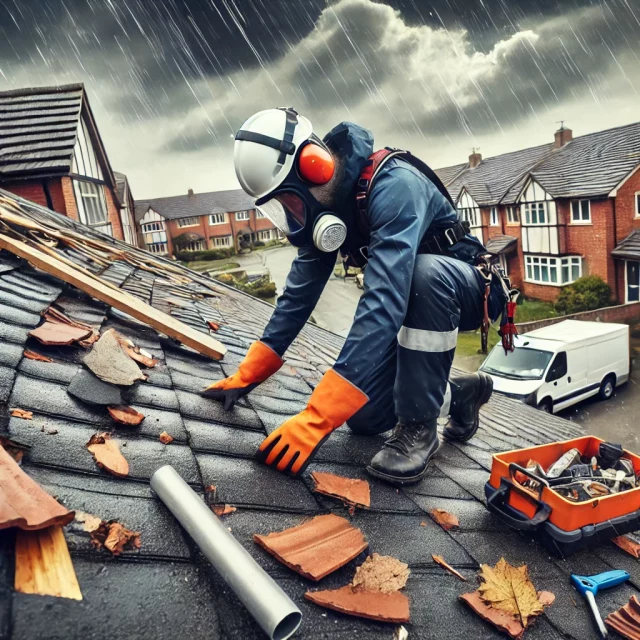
[[292, 445], [259, 363]]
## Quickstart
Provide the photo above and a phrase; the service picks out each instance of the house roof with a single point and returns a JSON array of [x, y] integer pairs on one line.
[[167, 584], [588, 166], [490, 180], [38, 129], [447, 174], [628, 248], [199, 204], [501, 244]]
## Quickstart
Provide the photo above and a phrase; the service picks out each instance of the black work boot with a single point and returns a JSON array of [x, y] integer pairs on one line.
[[468, 394], [404, 457]]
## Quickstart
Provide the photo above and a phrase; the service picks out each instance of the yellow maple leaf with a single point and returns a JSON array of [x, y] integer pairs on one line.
[[509, 588]]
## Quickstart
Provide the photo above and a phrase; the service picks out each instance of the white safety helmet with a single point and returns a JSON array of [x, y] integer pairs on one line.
[[262, 167]]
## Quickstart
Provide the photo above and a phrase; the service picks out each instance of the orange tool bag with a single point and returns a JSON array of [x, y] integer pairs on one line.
[[561, 525]]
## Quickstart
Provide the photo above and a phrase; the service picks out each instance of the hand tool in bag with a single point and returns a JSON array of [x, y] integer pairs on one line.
[[588, 586]]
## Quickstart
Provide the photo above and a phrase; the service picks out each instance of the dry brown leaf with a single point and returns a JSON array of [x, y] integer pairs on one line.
[[223, 509], [88, 521], [113, 537], [445, 519], [381, 573], [509, 589], [628, 545], [126, 415], [165, 438], [107, 454], [32, 355], [441, 561], [22, 413]]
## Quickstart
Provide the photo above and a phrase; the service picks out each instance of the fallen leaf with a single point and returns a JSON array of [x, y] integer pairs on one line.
[[223, 509], [509, 589], [113, 537], [32, 355], [441, 561], [500, 619], [351, 491], [15, 449], [21, 413], [445, 519], [165, 438], [628, 545], [126, 415], [89, 522], [106, 453], [381, 573]]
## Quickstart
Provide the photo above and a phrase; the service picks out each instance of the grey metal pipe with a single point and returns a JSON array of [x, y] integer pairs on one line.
[[271, 607]]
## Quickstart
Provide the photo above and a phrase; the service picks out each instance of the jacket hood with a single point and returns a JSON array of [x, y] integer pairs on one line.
[[354, 144]]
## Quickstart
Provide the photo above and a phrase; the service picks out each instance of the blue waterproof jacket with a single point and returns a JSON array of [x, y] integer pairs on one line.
[[402, 205]]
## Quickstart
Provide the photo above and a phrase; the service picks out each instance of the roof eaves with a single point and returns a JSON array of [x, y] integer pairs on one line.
[[614, 192], [30, 91]]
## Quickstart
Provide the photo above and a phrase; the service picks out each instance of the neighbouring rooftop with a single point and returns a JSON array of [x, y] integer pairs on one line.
[[167, 585]]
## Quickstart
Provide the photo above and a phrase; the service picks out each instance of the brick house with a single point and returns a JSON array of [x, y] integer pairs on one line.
[[197, 221], [556, 212], [51, 153]]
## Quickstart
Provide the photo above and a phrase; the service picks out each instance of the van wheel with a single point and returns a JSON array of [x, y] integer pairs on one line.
[[607, 388], [545, 405]]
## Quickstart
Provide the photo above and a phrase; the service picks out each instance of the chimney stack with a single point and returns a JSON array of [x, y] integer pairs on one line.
[[474, 159], [190, 194], [562, 136]]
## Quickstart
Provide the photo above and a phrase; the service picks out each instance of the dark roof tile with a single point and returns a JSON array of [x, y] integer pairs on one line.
[[196, 406], [216, 438], [628, 248]]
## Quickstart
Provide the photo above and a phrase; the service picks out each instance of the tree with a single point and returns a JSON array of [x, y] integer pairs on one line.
[[585, 294]]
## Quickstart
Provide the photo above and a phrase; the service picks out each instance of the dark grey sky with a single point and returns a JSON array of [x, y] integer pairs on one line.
[[170, 82]]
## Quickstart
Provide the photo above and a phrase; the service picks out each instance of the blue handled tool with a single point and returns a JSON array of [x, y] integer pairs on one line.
[[588, 586]]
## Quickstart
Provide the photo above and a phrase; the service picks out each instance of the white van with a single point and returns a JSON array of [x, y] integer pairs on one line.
[[556, 366]]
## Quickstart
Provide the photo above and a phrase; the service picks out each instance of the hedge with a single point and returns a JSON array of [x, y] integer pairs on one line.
[[585, 294], [206, 254]]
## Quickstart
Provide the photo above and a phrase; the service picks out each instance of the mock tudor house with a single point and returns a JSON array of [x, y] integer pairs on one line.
[[556, 212], [51, 153], [198, 221]]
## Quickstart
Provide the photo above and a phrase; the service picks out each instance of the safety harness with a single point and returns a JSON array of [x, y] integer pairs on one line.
[[438, 241]]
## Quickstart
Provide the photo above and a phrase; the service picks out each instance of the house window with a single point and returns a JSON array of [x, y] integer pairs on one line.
[[637, 203], [222, 241], [259, 214], [471, 215], [158, 247], [535, 213], [151, 226], [512, 215], [633, 281], [188, 222], [242, 215], [94, 206], [265, 236], [217, 218], [557, 271], [580, 211], [196, 245], [494, 217]]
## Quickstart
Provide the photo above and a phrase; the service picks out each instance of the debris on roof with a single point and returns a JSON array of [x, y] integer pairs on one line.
[[21, 413], [136, 353], [32, 355], [126, 415], [15, 449], [499, 619], [446, 520], [214, 326], [316, 548], [114, 537], [58, 334], [381, 573], [23, 503], [223, 509], [88, 521], [110, 363], [165, 438], [626, 620], [88, 388], [351, 491], [44, 566], [384, 607], [107, 455], [628, 543], [441, 561]]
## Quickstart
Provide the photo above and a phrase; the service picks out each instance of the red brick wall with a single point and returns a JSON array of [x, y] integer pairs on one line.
[[57, 195], [69, 198], [29, 190], [113, 212], [545, 292], [202, 228]]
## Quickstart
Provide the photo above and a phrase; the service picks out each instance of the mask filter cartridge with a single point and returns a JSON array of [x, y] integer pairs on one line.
[[329, 233]]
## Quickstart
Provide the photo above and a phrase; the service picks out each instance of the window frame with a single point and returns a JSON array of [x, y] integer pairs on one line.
[[628, 285], [245, 216], [154, 245], [541, 207], [260, 215], [559, 360], [144, 228], [513, 214], [181, 225], [553, 265], [579, 204], [213, 216], [636, 199], [195, 245], [494, 217], [214, 241]]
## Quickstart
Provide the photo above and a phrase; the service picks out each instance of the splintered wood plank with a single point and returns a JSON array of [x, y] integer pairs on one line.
[[43, 564], [117, 298]]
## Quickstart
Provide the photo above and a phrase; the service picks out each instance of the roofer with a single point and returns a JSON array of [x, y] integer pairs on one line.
[[420, 288]]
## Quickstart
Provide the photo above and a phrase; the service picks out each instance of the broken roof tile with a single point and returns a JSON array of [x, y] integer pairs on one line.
[[110, 363], [126, 415], [32, 355], [58, 334], [23, 503], [316, 548], [107, 455], [350, 490], [385, 607], [165, 438], [626, 620]]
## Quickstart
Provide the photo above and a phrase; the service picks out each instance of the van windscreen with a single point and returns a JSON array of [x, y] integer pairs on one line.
[[520, 364]]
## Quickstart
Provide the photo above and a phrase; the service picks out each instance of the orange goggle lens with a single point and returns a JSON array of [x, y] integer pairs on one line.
[[315, 164]]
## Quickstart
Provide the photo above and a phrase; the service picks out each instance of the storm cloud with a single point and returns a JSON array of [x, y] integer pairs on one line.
[[171, 83]]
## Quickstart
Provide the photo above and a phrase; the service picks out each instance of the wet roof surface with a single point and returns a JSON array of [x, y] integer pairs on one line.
[[167, 585]]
